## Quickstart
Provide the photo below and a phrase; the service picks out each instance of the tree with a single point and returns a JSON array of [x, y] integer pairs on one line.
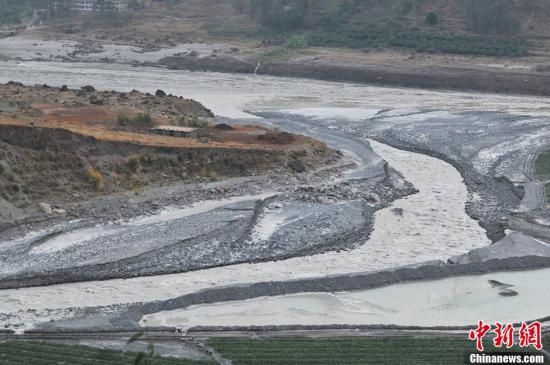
[[63, 7], [279, 14], [431, 18], [105, 7], [491, 17]]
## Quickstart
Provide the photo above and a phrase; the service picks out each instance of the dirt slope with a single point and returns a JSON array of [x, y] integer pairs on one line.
[[57, 147]]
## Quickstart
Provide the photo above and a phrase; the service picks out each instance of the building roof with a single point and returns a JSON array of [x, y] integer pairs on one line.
[[174, 129]]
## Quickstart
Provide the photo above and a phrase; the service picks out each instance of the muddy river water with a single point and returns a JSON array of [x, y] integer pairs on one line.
[[433, 224], [447, 302]]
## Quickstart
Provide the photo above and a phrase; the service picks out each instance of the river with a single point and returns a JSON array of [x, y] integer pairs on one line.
[[433, 224]]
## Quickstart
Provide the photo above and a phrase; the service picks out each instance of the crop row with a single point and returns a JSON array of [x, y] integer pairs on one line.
[[36, 353], [340, 351]]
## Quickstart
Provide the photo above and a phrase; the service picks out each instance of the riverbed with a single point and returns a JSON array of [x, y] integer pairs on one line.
[[429, 225], [432, 226]]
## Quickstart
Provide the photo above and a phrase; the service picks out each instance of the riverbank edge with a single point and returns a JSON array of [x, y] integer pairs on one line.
[[434, 77]]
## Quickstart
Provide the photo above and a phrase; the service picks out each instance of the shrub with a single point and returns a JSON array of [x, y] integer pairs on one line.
[[432, 18], [297, 41], [123, 120], [274, 55], [140, 120], [134, 164], [193, 122], [96, 178], [406, 7]]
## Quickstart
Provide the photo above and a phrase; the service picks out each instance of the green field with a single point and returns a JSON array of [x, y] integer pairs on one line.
[[542, 171], [542, 166], [547, 191], [36, 353], [275, 351], [345, 351]]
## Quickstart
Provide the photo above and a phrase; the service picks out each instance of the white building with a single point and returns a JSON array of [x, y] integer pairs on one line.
[[83, 6]]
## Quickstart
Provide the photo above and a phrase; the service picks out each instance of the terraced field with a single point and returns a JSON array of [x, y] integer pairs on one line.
[[36, 353], [348, 351]]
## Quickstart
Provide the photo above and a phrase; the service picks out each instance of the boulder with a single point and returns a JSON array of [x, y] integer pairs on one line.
[[88, 88], [45, 208], [297, 165]]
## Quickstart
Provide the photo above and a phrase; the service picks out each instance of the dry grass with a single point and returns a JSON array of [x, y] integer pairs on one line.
[[97, 178], [101, 123]]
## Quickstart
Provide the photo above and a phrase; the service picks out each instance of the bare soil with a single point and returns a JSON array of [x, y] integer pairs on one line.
[[57, 147]]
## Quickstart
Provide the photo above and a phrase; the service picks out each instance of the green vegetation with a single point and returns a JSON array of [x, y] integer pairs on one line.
[[375, 35], [133, 163], [192, 122], [13, 12], [278, 54], [542, 171], [491, 17], [432, 18], [277, 14], [297, 41], [542, 166], [140, 120], [37, 353], [451, 43], [349, 351], [547, 191], [283, 351], [343, 23]]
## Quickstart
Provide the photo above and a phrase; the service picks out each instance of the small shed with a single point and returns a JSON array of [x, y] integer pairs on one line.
[[173, 131]]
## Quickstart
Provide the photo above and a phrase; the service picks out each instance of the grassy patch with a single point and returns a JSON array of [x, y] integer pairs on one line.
[[97, 179], [34, 353], [297, 41], [6, 106], [275, 55], [542, 166], [140, 120], [366, 350]]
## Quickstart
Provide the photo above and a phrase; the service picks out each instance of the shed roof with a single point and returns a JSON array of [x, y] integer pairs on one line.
[[173, 128]]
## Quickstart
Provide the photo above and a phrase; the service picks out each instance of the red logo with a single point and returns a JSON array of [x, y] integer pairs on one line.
[[529, 335], [504, 335], [478, 334]]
